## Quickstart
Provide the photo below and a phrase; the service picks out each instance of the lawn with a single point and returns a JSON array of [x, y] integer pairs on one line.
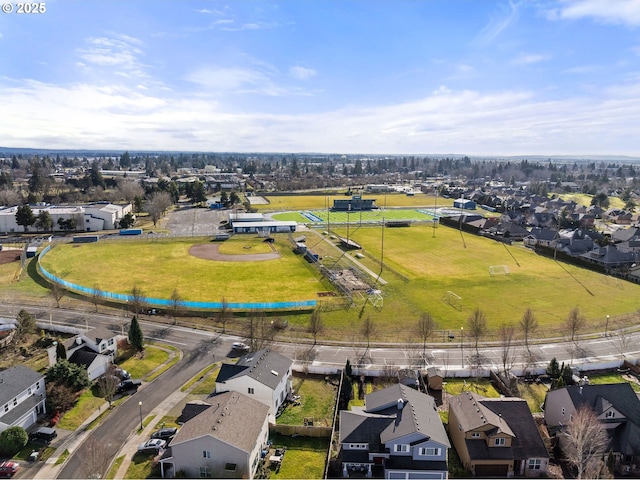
[[305, 457], [534, 394], [601, 379], [322, 202], [317, 401], [141, 466], [160, 267], [208, 383], [140, 367], [481, 386], [319, 217], [435, 262], [84, 407]]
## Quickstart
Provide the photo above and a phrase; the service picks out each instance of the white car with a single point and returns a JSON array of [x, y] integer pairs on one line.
[[240, 347], [153, 445]]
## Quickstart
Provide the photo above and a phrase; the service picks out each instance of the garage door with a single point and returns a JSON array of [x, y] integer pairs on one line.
[[491, 470]]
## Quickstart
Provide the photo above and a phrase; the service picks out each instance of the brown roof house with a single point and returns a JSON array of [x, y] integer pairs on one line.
[[496, 437], [398, 434], [224, 440]]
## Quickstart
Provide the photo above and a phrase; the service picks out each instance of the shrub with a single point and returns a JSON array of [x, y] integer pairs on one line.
[[12, 440]]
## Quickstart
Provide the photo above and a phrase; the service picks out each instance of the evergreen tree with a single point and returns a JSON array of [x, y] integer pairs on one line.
[[25, 217], [553, 370], [135, 335], [61, 352]]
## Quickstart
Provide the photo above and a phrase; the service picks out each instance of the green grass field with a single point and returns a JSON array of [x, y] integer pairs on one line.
[[160, 267], [356, 218], [320, 202]]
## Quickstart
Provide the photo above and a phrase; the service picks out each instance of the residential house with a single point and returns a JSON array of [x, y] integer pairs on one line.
[[264, 375], [496, 436], [397, 434], [541, 236], [22, 397], [435, 378], [616, 406], [225, 440], [94, 350], [610, 257]]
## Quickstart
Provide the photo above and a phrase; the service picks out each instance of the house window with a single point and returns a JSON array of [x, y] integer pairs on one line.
[[499, 442], [205, 472], [29, 391], [6, 408], [475, 435], [563, 410], [358, 446], [15, 402], [535, 464], [111, 341], [102, 346], [250, 391], [231, 467], [206, 454], [429, 452], [401, 448], [37, 385], [610, 414]]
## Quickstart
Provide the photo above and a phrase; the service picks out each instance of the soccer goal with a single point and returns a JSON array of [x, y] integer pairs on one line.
[[375, 298], [452, 299], [499, 270]]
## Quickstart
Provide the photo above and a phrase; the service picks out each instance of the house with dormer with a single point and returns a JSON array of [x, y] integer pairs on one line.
[[22, 397], [264, 375], [94, 350], [397, 434], [496, 437], [618, 409]]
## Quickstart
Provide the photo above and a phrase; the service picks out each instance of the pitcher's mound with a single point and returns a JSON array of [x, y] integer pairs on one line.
[[211, 251]]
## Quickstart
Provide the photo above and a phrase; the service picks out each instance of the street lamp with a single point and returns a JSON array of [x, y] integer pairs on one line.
[[140, 405], [462, 345], [606, 327]]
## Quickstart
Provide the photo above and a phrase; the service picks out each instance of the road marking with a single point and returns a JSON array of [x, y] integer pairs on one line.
[[167, 341]]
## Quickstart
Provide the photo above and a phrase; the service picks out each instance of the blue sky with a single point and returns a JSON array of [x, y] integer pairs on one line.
[[477, 77]]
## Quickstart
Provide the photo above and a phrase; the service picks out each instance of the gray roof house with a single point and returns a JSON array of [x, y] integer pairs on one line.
[[616, 405], [22, 397], [93, 350], [264, 375], [224, 440], [398, 433], [496, 436]]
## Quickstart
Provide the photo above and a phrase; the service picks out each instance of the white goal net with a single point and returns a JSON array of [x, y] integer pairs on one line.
[[499, 270]]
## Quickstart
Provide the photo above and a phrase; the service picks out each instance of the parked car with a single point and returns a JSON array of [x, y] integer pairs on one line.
[[8, 469], [240, 347], [43, 435], [153, 445], [128, 386], [165, 433], [123, 374]]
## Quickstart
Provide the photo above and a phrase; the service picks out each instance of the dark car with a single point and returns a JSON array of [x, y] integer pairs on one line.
[[43, 435], [165, 433], [128, 386], [9, 468]]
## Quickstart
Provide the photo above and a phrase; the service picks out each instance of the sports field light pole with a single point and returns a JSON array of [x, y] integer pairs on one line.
[[140, 405], [462, 345], [606, 327]]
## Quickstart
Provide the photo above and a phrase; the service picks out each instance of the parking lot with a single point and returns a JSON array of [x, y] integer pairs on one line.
[[188, 221]]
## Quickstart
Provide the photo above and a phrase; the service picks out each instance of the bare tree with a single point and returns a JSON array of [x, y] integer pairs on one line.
[[157, 205], [130, 189], [316, 325], [477, 325], [223, 315], [259, 333], [584, 443], [95, 296], [368, 330], [176, 304], [622, 341], [108, 384], [529, 326], [57, 292], [425, 327], [137, 299], [95, 457], [573, 324], [508, 351]]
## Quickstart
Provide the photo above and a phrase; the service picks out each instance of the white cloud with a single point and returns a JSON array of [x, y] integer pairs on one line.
[[497, 24], [119, 51], [302, 73], [528, 59], [617, 12], [501, 123], [464, 68]]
